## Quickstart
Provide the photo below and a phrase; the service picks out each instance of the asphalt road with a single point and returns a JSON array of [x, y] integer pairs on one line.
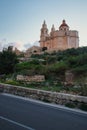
[[20, 114]]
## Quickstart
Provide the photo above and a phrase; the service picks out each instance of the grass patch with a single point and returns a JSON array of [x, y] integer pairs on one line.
[[83, 107], [53, 88], [70, 105], [12, 82]]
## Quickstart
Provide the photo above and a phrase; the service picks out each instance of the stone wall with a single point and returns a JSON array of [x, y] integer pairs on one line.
[[33, 50], [35, 78], [54, 97], [69, 77]]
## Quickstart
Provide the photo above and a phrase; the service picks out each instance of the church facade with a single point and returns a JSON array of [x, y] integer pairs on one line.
[[60, 39]]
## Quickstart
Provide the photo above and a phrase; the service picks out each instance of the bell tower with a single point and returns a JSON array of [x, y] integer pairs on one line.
[[44, 32], [52, 30]]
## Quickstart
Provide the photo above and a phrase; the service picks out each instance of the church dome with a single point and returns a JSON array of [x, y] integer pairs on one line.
[[64, 26]]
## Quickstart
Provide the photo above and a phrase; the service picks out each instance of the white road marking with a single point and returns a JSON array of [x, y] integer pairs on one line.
[[16, 123]]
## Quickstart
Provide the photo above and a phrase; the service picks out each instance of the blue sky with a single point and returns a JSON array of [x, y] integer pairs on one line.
[[21, 20]]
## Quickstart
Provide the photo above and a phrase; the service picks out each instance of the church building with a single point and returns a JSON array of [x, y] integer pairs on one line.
[[60, 39]]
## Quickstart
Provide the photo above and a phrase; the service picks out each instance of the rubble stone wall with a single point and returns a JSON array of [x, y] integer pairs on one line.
[[35, 78], [54, 97]]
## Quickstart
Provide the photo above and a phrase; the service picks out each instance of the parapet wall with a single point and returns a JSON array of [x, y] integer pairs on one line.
[[54, 97]]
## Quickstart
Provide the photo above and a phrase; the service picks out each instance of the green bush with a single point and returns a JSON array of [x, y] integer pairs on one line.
[[23, 65], [59, 67], [83, 106], [80, 69], [12, 82], [76, 61], [27, 65], [70, 105], [83, 90]]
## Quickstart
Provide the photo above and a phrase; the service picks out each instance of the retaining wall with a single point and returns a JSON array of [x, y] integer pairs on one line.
[[54, 97]]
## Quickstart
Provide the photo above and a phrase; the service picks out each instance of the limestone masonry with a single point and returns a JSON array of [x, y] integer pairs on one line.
[[61, 39], [54, 97], [35, 78]]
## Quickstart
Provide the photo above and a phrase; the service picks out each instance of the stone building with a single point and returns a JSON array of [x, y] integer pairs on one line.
[[33, 50], [61, 39], [18, 52]]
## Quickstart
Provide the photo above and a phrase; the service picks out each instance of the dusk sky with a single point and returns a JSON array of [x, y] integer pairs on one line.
[[21, 20]]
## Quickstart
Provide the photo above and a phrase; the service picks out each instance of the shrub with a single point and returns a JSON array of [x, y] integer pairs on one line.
[[21, 66], [83, 106], [59, 67], [83, 90], [70, 105], [12, 82], [77, 61], [80, 69]]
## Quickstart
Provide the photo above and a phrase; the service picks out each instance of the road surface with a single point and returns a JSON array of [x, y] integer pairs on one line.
[[22, 114]]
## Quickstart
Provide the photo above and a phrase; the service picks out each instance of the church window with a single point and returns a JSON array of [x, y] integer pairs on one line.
[[65, 29], [35, 51], [65, 33]]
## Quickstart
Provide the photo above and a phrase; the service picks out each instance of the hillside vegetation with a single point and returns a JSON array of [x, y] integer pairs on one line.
[[54, 66]]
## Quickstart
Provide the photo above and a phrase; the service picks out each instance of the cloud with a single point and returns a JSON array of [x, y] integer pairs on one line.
[[28, 45], [36, 43], [2, 43], [19, 45]]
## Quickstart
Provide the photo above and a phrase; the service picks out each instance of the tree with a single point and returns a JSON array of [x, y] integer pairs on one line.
[[8, 60]]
